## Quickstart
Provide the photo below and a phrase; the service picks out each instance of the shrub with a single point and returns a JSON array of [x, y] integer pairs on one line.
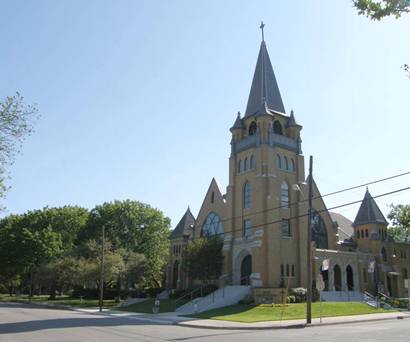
[[299, 293], [290, 299]]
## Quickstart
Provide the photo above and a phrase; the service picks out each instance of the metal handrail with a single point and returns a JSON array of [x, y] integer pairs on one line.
[[200, 288]]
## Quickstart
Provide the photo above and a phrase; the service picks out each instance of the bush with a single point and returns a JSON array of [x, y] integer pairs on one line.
[[290, 299], [299, 293]]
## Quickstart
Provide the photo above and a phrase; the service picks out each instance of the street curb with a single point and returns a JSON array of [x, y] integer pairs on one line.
[[290, 326]]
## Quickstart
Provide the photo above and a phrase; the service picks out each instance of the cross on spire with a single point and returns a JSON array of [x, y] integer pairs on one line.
[[261, 27]]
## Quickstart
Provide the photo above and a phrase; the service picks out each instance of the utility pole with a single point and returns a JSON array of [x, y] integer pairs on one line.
[[102, 269], [309, 247]]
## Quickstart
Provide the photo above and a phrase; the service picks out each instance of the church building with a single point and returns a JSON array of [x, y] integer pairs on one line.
[[262, 214]]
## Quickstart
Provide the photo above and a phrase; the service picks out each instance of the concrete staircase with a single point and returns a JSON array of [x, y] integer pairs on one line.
[[225, 296], [342, 296]]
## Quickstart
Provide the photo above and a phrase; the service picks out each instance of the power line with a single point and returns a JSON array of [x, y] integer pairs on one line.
[[315, 197], [319, 211]]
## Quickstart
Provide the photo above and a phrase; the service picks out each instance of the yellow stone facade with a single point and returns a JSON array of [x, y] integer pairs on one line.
[[262, 213]]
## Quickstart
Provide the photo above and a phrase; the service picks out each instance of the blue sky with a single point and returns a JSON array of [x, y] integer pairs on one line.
[[137, 97]]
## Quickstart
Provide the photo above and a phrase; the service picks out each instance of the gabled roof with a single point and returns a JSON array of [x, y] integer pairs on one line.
[[344, 225], [264, 86], [369, 212], [182, 228]]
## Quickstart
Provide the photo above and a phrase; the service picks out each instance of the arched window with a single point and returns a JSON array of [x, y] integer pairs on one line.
[[247, 195], [358, 234], [287, 270], [349, 278], [362, 233], [252, 128], [286, 163], [277, 128], [245, 166], [367, 233], [282, 270], [319, 233], [293, 270], [240, 166], [284, 195], [384, 254], [252, 162], [212, 225], [278, 162], [337, 274], [292, 165]]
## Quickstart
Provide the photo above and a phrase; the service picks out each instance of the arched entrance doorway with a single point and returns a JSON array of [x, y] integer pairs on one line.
[[349, 278], [175, 274], [337, 278], [246, 270]]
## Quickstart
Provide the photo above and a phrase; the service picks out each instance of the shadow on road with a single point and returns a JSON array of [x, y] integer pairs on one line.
[[60, 323]]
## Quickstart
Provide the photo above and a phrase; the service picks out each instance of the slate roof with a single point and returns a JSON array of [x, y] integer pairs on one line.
[[344, 225], [264, 86], [182, 228], [369, 212]]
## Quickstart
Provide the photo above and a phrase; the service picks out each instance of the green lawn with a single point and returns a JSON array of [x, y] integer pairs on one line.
[[62, 300], [252, 313], [166, 305]]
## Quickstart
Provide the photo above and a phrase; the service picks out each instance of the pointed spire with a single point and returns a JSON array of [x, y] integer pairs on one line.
[[291, 120], [369, 212], [183, 226], [238, 124], [264, 86]]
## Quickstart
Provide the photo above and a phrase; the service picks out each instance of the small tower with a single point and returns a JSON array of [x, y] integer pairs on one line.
[[370, 226]]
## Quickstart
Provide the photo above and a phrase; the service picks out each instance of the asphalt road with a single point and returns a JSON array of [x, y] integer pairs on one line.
[[29, 323]]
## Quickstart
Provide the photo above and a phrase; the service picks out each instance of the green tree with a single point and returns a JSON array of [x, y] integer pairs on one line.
[[377, 10], [203, 259], [38, 237], [16, 123], [400, 220], [136, 227]]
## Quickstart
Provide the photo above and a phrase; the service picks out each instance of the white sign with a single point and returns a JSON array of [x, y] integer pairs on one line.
[[407, 283], [320, 284]]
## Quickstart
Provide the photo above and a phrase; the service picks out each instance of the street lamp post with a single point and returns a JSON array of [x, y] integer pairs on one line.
[[296, 187], [309, 248], [102, 270]]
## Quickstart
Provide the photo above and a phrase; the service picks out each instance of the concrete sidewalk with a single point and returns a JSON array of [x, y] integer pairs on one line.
[[170, 318], [299, 323]]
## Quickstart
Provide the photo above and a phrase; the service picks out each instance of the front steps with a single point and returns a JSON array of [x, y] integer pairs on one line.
[[225, 296]]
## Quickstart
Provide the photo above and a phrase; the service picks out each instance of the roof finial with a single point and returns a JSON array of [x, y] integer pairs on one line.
[[261, 27]]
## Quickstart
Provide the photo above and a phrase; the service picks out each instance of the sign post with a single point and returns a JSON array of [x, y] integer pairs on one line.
[[320, 286]]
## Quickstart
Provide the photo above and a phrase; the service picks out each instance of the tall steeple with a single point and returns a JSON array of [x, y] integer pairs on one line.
[[264, 90]]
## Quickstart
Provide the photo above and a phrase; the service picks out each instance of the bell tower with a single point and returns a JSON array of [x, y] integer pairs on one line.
[[266, 160]]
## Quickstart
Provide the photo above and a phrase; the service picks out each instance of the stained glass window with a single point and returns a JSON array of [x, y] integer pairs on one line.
[[212, 225], [319, 234]]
